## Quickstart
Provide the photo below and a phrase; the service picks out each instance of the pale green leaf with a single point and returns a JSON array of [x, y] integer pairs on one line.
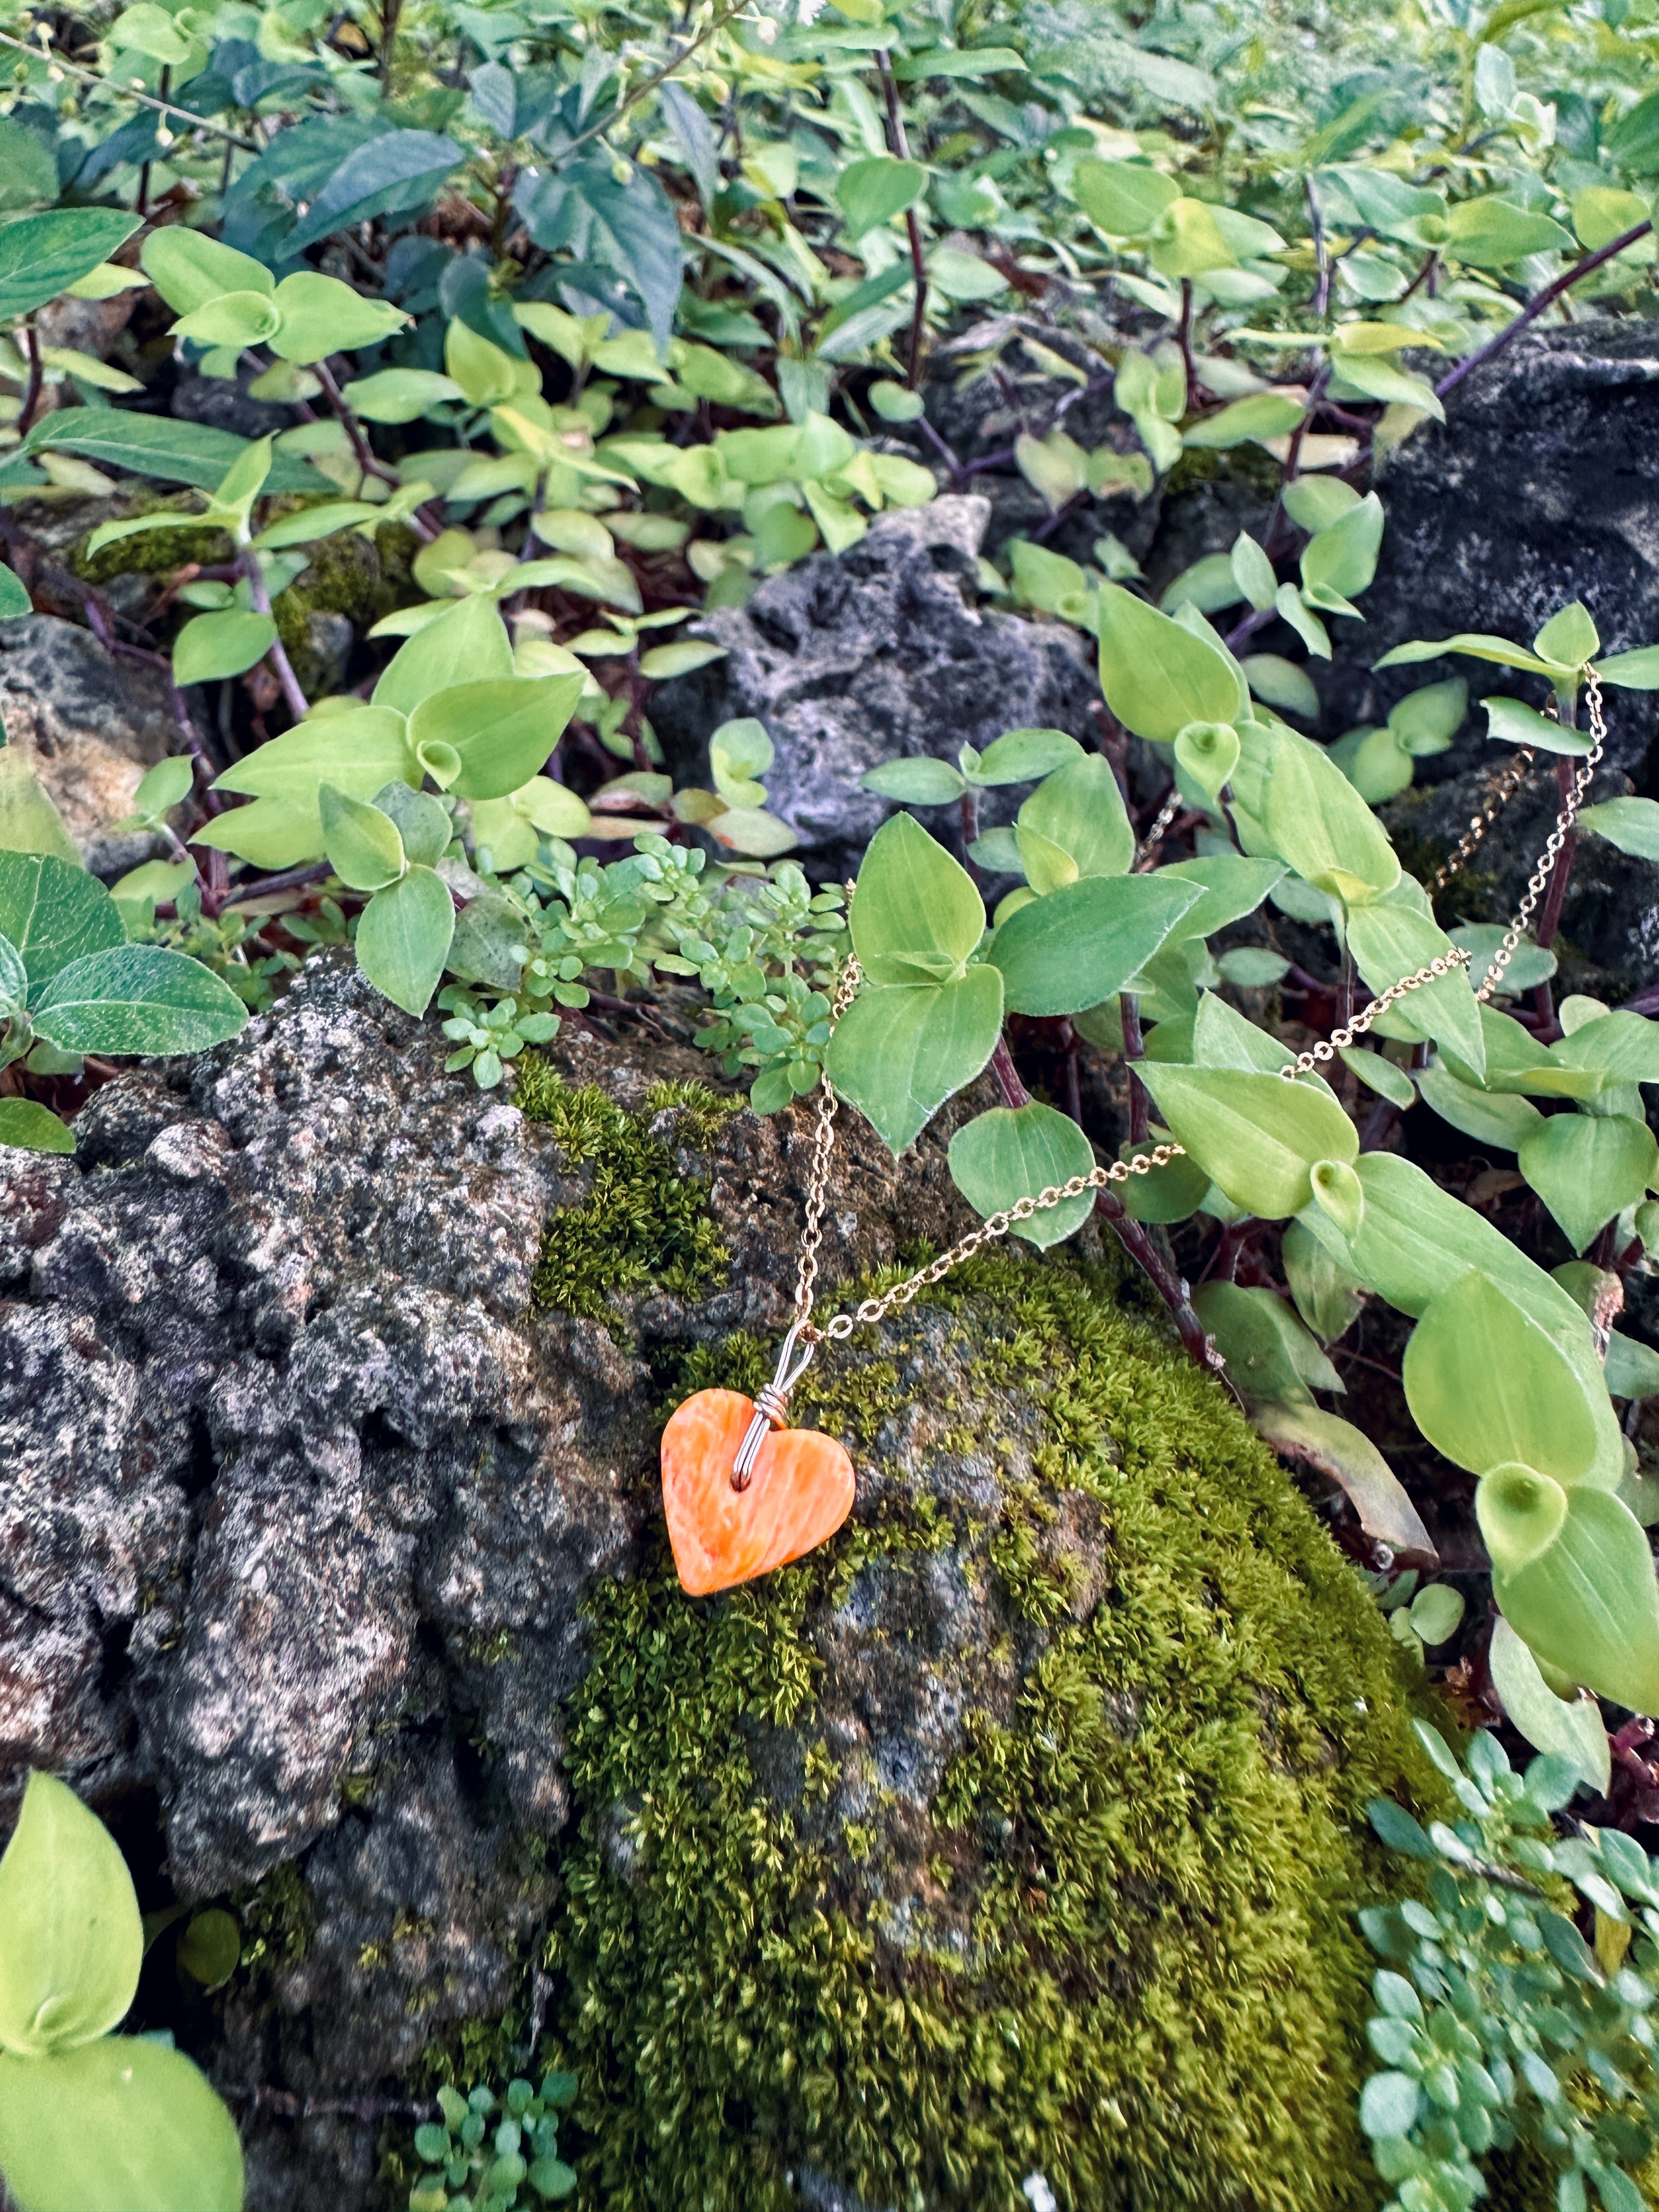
[[73, 1943], [403, 936], [1009, 1153]]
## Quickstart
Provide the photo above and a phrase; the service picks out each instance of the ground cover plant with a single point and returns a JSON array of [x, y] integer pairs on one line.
[[584, 320]]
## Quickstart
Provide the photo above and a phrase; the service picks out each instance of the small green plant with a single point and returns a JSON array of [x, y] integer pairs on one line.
[[1497, 2023], [89, 2118], [72, 983], [486, 2150]]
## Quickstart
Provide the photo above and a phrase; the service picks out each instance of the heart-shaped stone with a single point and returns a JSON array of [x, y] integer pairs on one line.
[[801, 1493]]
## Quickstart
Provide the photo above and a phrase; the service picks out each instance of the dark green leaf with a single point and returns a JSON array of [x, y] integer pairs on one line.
[[396, 171], [1083, 943], [42, 255], [157, 445], [900, 1050], [1009, 1153]]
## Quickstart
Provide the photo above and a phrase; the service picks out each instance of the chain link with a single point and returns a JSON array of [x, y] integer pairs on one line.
[[1146, 854], [1101, 1178], [1555, 844], [1506, 783]]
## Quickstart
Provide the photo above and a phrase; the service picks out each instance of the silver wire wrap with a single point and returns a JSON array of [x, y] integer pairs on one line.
[[771, 1405]]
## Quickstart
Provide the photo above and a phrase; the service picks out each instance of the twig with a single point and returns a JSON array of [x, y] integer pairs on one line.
[[1320, 302], [130, 92], [900, 144], [648, 85], [141, 204], [32, 389], [1184, 340], [289, 879], [298, 705], [1007, 1075], [362, 451], [1133, 1049], [1535, 307]]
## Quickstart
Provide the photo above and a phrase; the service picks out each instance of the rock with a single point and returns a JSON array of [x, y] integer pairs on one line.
[[89, 727], [1540, 488], [1016, 1832], [877, 654]]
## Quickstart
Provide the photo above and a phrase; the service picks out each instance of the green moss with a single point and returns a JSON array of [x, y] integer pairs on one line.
[[1138, 1972], [157, 552], [643, 1222], [277, 1916]]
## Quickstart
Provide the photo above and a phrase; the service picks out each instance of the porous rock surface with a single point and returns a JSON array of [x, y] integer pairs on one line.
[[878, 654], [88, 726], [1541, 486], [322, 1550]]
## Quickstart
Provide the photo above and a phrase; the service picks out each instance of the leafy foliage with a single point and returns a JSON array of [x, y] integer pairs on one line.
[[86, 2116], [1497, 2023], [487, 2150]]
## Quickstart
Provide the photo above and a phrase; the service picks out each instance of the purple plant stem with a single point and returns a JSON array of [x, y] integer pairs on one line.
[[1536, 305], [1133, 1049], [298, 705]]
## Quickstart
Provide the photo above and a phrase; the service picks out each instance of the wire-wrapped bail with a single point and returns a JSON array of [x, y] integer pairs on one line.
[[772, 1404]]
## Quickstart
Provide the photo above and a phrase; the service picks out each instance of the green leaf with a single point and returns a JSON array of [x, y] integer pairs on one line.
[[1270, 1356], [312, 523], [188, 269], [1391, 942], [319, 315], [1156, 675], [157, 445], [1338, 1193], [921, 781], [14, 598], [1258, 1137], [118, 2125], [1281, 683], [362, 844], [1436, 1612], [1125, 199], [42, 255], [400, 395], [1573, 1575], [1232, 887], [915, 913], [215, 646], [404, 937], [1488, 1387], [471, 635], [1328, 1298], [426, 828], [874, 190], [1316, 822], [1569, 637], [1601, 213], [1188, 240], [1341, 558], [232, 319], [503, 731], [1367, 376], [1622, 1047], [1586, 1168], [1338, 1450], [1632, 671], [1261, 415], [210, 1948], [1388, 2104], [1009, 1154], [1253, 572], [137, 1000], [1572, 1729], [1380, 1075], [900, 1051], [1083, 943], [1510, 723], [1206, 753], [54, 911], [31, 1128], [394, 171], [1079, 809], [1632, 824], [1491, 233], [29, 822], [1497, 1118], [1477, 644], [74, 1942]]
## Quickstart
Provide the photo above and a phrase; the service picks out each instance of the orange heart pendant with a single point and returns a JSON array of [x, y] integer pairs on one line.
[[800, 1492]]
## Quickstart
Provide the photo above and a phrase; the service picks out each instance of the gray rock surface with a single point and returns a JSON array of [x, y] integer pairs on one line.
[[90, 725], [880, 653], [1542, 486], [298, 1498]]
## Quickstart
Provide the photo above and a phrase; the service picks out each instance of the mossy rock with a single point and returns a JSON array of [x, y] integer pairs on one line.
[[1019, 1831]]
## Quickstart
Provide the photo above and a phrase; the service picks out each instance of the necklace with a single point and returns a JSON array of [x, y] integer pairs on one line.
[[744, 1492]]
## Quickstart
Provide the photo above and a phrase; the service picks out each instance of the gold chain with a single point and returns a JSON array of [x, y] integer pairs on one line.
[[1506, 783], [1101, 1178], [1555, 843]]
